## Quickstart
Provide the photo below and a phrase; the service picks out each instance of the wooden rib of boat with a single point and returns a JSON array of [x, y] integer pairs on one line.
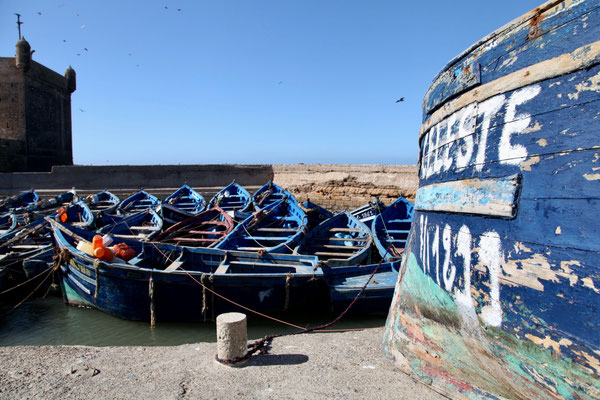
[[143, 225], [102, 202], [391, 227], [19, 201], [276, 229], [137, 202], [205, 229], [499, 294], [232, 198], [162, 282], [339, 240], [270, 193], [315, 214]]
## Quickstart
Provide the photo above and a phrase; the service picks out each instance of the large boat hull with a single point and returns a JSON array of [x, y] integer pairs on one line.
[[499, 290]]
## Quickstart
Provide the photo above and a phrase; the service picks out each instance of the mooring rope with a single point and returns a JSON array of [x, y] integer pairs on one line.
[[262, 346], [27, 281]]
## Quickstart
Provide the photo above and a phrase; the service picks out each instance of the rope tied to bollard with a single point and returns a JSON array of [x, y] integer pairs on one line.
[[263, 345]]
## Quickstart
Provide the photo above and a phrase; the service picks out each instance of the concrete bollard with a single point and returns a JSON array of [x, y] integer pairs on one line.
[[232, 336]]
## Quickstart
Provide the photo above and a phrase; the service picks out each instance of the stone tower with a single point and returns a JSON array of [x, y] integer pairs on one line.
[[35, 113]]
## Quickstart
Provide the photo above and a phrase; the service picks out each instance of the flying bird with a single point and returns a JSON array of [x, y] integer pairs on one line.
[[166, 8], [39, 13], [179, 9], [400, 99], [64, 40], [82, 110], [85, 48]]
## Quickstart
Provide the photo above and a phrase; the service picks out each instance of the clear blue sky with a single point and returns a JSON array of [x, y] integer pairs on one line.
[[275, 81]]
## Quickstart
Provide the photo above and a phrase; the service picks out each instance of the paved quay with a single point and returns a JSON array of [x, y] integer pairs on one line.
[[348, 365]]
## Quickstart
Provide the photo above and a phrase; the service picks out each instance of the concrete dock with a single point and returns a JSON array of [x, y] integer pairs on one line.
[[348, 365]]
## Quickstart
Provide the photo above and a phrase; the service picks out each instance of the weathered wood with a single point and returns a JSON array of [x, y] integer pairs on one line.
[[490, 197], [174, 266], [333, 246], [332, 254], [583, 57], [276, 229], [344, 230], [506, 307]]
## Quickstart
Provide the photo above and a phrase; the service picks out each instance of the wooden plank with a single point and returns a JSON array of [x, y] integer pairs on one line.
[[333, 246], [174, 265], [192, 240], [277, 230], [489, 197], [345, 230], [333, 254], [564, 64], [359, 239], [261, 264], [128, 236], [222, 269], [267, 238], [194, 232], [28, 246]]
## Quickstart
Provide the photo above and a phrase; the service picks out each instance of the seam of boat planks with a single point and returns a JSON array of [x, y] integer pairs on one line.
[[499, 288]]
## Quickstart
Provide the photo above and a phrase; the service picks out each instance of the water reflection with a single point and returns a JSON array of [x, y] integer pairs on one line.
[[50, 322]]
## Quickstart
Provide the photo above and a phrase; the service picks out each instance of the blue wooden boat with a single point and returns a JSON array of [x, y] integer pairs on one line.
[[369, 211], [8, 223], [143, 225], [172, 215], [163, 282], [48, 206], [77, 214], [270, 193], [38, 271], [38, 262], [315, 214], [232, 198], [184, 203], [275, 229], [19, 201], [338, 241], [391, 227], [187, 199], [137, 202], [499, 289], [102, 202], [346, 282], [205, 229], [33, 239]]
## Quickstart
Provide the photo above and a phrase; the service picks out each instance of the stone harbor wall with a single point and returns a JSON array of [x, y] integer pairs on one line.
[[333, 186], [337, 186]]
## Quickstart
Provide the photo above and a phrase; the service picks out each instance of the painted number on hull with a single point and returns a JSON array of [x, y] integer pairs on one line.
[[445, 250]]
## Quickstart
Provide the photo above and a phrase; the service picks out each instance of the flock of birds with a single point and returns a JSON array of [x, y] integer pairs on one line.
[[85, 49]]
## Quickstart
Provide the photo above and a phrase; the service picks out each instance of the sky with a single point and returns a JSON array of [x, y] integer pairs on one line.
[[249, 82]]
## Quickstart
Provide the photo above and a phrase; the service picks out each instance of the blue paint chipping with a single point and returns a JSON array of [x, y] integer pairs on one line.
[[508, 307]]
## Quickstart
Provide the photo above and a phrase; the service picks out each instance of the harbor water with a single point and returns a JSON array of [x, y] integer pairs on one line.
[[49, 321]]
